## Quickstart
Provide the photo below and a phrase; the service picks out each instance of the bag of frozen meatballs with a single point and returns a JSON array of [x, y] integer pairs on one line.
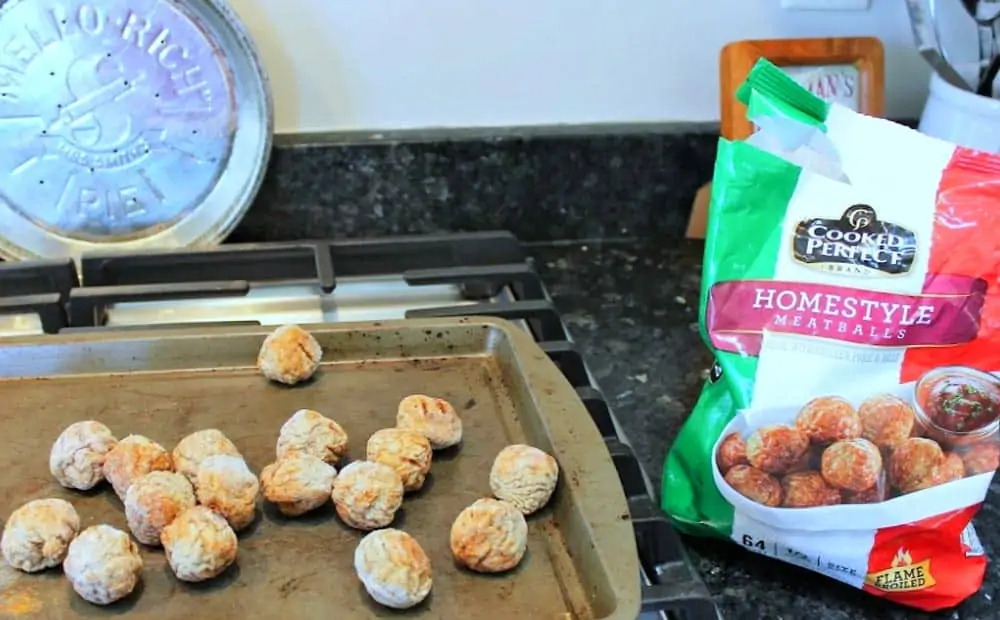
[[850, 294]]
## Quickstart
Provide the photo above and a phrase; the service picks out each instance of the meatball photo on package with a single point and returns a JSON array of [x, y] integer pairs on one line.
[[851, 422]]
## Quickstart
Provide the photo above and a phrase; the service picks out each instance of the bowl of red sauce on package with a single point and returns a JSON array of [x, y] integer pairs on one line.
[[958, 406]]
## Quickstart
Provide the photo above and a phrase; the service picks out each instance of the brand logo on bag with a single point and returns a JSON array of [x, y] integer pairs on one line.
[[856, 244], [903, 575]]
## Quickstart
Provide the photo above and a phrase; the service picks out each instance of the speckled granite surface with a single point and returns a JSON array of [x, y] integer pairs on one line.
[[632, 309], [569, 187]]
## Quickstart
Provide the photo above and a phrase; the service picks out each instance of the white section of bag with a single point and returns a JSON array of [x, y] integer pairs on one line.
[[888, 161], [802, 145], [971, 541], [911, 205], [840, 554], [793, 369], [961, 117]]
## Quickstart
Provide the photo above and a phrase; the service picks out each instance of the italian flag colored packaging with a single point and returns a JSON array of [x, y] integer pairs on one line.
[[850, 293]]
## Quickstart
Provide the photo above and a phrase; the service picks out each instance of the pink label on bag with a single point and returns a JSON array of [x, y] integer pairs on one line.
[[945, 313]]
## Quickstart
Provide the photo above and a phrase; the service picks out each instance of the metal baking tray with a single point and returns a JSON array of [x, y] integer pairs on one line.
[[582, 560]]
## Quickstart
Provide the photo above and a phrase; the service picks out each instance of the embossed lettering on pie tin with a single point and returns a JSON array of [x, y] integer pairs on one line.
[[126, 124]]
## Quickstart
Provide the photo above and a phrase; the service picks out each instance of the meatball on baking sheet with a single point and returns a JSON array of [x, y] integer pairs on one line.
[[302, 566], [869, 454]]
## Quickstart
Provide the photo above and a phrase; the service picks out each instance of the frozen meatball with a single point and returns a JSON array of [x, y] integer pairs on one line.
[[393, 568], [154, 501], [524, 476], [981, 458], [133, 457], [103, 564], [886, 420], [199, 544], [289, 355], [38, 533], [807, 489], [732, 451], [367, 495], [755, 485], [297, 483], [226, 485], [914, 461], [776, 449], [852, 464], [77, 457], [408, 452], [828, 419], [490, 536], [434, 418], [198, 446], [312, 433]]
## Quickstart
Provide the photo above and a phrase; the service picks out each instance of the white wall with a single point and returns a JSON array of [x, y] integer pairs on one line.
[[359, 65]]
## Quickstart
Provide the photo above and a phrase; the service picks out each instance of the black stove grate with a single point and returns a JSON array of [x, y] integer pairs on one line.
[[481, 264], [38, 287]]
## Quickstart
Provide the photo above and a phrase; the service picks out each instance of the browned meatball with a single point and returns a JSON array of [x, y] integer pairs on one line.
[[949, 470], [886, 420], [981, 458], [776, 449], [807, 489], [827, 419], [879, 492], [732, 452], [755, 485], [953, 468], [914, 461], [852, 464]]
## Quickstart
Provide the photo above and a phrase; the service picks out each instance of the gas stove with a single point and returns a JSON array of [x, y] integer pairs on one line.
[[475, 274]]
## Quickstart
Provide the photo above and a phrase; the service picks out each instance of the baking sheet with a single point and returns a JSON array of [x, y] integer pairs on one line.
[[581, 560]]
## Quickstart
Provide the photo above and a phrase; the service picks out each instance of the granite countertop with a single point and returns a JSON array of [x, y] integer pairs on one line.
[[632, 309]]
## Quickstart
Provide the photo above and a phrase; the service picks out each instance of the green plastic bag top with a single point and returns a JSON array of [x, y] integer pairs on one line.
[[850, 295]]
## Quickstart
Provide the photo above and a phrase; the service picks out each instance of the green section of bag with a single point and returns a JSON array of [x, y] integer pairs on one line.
[[769, 91], [751, 190]]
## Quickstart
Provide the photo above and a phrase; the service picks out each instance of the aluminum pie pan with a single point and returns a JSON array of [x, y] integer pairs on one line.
[[127, 125]]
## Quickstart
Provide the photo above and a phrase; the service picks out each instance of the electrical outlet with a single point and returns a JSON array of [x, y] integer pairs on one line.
[[827, 5]]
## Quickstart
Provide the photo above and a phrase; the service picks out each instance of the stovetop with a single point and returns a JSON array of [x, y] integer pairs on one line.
[[484, 274]]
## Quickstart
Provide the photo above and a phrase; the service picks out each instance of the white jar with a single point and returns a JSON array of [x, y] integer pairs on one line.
[[961, 116]]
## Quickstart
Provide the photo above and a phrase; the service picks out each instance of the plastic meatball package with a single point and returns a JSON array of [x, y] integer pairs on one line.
[[850, 295]]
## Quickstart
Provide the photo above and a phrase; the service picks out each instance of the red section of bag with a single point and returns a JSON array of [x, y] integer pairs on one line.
[[927, 564], [964, 243]]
